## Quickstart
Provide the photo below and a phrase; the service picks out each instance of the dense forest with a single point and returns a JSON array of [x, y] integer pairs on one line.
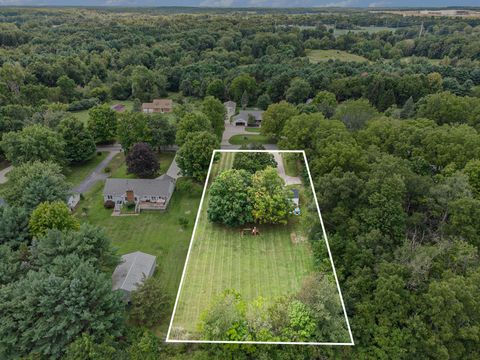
[[393, 143]]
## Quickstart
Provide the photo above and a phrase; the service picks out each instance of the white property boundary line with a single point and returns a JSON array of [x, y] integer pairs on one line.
[[168, 340]]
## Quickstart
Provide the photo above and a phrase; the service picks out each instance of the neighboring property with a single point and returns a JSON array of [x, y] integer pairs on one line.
[[118, 107], [2, 202], [158, 106], [242, 118], [147, 194], [230, 106], [296, 201], [135, 268]]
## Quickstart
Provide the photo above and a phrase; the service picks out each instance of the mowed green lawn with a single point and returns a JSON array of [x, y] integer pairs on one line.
[[75, 174], [246, 139], [156, 233], [164, 158], [268, 265], [316, 56]]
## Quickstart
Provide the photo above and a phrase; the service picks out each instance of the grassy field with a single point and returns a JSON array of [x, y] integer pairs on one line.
[[83, 114], [249, 139], [252, 129], [120, 170], [156, 233], [76, 173], [269, 265], [316, 56], [290, 164]]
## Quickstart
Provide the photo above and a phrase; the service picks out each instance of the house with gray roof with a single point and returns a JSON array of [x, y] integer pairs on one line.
[[147, 194], [134, 269], [242, 118]]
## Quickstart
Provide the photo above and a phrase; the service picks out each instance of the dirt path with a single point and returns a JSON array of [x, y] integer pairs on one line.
[[289, 180]]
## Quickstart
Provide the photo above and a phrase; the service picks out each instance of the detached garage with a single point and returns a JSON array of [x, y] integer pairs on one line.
[[135, 268]]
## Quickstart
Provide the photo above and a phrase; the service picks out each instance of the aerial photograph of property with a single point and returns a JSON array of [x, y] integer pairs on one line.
[[250, 256], [239, 179]]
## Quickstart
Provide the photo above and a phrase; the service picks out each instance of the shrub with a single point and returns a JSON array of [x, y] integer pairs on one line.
[[107, 169], [130, 205], [109, 204], [183, 221]]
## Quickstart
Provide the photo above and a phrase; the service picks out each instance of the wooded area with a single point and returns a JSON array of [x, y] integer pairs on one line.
[[393, 144]]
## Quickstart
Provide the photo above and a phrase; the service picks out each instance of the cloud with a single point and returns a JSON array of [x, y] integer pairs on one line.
[[216, 3], [379, 4], [342, 3]]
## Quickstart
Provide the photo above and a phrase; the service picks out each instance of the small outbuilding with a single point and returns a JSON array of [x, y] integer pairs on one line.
[[296, 201], [134, 269]]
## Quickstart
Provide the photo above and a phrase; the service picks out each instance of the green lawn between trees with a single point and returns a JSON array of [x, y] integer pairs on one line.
[[245, 139], [119, 168], [269, 265], [75, 174]]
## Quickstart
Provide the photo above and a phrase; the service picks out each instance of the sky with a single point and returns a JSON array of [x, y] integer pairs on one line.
[[247, 3]]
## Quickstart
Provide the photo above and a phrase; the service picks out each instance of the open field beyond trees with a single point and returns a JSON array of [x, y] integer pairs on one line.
[[316, 56]]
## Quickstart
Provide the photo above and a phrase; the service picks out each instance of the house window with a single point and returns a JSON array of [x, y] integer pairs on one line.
[[109, 197], [154, 198]]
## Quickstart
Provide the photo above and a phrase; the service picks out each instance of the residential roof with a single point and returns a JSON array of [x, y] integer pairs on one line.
[[118, 107], [162, 186], [243, 115], [133, 270], [158, 104]]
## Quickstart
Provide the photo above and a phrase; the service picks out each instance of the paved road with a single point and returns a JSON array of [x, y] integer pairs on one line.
[[289, 180], [3, 174]]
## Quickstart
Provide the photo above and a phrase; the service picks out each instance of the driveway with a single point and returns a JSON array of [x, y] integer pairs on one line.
[[231, 130], [289, 180], [3, 174], [99, 172], [174, 171]]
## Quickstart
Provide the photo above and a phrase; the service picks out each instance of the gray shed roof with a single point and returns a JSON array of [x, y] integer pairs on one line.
[[133, 270], [243, 115], [162, 186]]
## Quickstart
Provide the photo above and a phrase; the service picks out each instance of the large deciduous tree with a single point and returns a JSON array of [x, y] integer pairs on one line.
[[229, 202], [298, 91], [142, 161], [35, 142], [253, 161], [243, 84], [215, 112], [102, 123], [275, 117], [271, 200], [33, 183], [194, 156], [51, 215], [133, 128], [355, 113], [79, 143], [191, 123]]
